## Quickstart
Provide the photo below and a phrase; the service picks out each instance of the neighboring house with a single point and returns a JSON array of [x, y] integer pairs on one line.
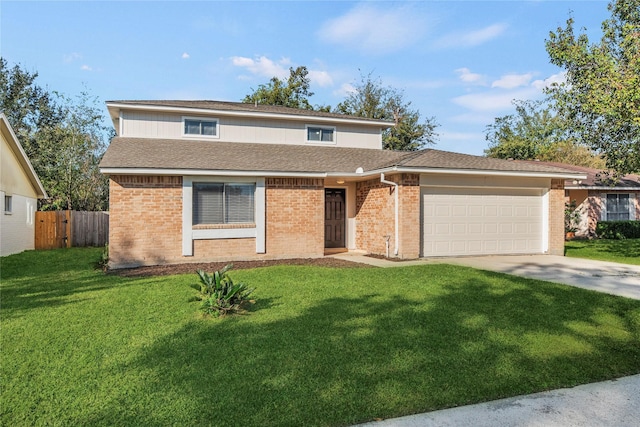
[[194, 181], [598, 198], [20, 190]]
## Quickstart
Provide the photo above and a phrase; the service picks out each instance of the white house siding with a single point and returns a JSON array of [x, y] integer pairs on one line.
[[18, 226], [236, 129]]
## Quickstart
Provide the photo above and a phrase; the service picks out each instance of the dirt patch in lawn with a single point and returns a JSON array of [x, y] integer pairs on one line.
[[166, 270]]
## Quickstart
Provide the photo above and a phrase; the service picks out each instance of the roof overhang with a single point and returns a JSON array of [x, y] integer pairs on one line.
[[16, 147], [115, 108], [347, 175], [601, 188]]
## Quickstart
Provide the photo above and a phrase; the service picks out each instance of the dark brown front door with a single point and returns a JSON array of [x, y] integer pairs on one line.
[[334, 218]]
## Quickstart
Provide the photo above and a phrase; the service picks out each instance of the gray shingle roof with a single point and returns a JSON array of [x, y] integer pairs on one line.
[[148, 153], [595, 178]]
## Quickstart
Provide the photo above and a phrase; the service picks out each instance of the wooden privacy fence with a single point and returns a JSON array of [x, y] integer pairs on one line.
[[64, 229]]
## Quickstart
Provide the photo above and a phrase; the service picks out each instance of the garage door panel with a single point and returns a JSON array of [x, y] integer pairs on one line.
[[463, 221]]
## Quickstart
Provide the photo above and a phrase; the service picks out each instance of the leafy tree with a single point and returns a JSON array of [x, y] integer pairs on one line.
[[536, 132], [373, 100], [63, 137], [601, 96], [294, 92]]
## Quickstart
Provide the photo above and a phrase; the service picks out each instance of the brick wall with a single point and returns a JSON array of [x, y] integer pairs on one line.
[[146, 223], [295, 217], [409, 215], [556, 217], [145, 218], [375, 216]]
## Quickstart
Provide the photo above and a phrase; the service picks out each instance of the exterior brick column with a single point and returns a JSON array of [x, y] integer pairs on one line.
[[556, 217]]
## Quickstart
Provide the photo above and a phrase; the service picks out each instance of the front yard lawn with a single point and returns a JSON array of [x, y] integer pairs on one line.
[[622, 251], [321, 346]]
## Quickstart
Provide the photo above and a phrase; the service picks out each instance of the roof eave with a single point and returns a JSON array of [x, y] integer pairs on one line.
[[491, 172], [600, 187], [315, 174], [23, 159], [114, 111]]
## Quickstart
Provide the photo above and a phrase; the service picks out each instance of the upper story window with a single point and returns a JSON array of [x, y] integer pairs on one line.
[[321, 134], [194, 126]]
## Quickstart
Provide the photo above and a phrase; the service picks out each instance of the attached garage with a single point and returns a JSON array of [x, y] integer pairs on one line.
[[458, 221]]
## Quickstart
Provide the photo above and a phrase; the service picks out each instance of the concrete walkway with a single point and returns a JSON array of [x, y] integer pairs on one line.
[[601, 276], [606, 404]]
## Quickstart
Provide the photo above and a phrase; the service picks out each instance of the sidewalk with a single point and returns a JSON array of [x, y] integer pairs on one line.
[[606, 404]]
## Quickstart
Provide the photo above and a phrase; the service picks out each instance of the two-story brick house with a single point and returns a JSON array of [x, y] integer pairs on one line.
[[194, 181]]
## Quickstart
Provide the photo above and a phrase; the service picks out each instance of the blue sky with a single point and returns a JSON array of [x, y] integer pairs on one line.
[[460, 61]]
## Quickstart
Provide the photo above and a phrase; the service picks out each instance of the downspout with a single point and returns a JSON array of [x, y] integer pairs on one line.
[[396, 210]]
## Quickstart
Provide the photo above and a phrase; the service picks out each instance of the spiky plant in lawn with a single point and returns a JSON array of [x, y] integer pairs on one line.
[[218, 293]]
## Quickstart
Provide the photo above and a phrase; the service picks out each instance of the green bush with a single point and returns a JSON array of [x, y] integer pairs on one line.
[[103, 261], [218, 293], [618, 229]]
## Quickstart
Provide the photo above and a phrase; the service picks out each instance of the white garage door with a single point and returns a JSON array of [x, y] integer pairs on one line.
[[465, 221]]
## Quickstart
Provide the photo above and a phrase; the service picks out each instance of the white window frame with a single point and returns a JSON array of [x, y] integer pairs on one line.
[[632, 206], [228, 231], [331, 128], [202, 119]]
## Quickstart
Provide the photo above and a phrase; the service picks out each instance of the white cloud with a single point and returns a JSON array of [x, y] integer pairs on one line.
[[345, 90], [70, 57], [374, 29], [85, 67], [467, 76], [321, 78], [471, 38], [555, 78], [460, 136], [487, 101], [263, 66], [185, 55], [512, 81]]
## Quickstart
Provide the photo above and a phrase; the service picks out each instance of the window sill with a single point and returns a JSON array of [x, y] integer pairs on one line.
[[223, 233], [222, 226]]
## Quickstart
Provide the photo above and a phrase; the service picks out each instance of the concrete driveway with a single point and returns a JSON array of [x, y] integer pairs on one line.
[[609, 277]]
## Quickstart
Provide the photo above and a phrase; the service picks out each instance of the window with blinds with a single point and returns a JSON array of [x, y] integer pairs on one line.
[[223, 203]]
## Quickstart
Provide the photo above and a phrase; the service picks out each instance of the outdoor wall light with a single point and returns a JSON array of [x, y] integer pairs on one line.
[[340, 181]]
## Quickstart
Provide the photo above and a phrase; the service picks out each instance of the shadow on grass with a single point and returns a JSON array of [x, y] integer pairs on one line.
[[624, 248], [347, 360], [37, 279], [628, 248]]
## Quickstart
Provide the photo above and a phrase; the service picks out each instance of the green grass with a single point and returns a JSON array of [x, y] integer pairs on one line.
[[321, 346], [622, 251]]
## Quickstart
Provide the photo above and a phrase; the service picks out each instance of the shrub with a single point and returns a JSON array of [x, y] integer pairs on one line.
[[218, 293], [571, 217], [618, 229], [103, 261]]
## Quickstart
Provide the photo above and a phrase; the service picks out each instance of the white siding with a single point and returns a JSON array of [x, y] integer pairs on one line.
[[235, 129], [17, 229]]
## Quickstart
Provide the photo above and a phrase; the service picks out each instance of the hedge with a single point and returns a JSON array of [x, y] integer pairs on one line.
[[618, 229]]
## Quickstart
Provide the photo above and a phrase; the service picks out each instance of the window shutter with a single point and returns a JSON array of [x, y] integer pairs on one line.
[[603, 206], [632, 207]]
